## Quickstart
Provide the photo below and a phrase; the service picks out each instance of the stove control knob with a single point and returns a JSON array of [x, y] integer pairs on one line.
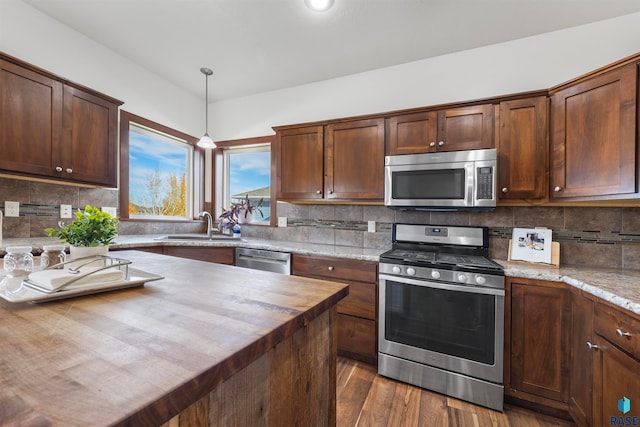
[[396, 269], [411, 271], [480, 280], [462, 277], [435, 274]]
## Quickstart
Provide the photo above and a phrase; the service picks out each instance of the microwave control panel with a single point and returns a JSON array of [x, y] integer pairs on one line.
[[484, 181]]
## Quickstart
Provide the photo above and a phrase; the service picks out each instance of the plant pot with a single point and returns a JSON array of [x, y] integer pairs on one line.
[[85, 251]]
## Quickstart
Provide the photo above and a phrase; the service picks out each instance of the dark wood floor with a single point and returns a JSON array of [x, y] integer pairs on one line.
[[367, 399]]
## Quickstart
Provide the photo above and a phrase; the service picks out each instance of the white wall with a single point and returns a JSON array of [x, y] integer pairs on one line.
[[532, 63], [29, 35]]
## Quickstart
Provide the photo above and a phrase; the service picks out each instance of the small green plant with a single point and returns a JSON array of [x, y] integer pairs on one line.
[[90, 228]]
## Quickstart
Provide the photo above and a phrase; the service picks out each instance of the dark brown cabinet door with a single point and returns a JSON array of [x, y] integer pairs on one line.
[[581, 367], [30, 120], [217, 255], [300, 163], [354, 160], [89, 139], [616, 376], [466, 128], [412, 133], [593, 137], [522, 149], [539, 337]]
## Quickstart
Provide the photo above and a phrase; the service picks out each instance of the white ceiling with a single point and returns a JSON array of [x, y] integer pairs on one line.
[[255, 46]]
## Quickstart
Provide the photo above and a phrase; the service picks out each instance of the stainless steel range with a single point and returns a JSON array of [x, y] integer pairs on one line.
[[442, 312]]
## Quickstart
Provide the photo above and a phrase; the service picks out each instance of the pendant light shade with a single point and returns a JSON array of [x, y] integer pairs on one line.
[[206, 141]]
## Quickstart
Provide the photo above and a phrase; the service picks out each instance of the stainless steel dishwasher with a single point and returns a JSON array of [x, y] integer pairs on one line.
[[262, 259]]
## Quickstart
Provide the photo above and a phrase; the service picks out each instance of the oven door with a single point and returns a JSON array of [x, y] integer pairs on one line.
[[448, 326]]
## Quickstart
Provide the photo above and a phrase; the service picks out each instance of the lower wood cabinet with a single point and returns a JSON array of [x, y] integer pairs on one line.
[[357, 313], [581, 371], [217, 255], [537, 342]]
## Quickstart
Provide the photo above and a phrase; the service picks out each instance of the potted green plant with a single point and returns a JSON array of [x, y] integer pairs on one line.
[[91, 228]]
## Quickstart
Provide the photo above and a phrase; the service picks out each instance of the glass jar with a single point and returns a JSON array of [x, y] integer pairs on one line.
[[18, 261], [52, 255]]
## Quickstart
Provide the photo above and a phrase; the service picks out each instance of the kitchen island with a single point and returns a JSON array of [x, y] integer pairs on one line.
[[209, 344]]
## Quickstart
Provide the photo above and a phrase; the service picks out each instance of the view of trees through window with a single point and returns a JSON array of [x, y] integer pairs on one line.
[[158, 174]]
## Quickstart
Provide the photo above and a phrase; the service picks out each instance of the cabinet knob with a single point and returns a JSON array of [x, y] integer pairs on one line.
[[432, 144], [58, 169], [591, 346], [330, 268], [329, 191], [441, 143], [504, 189], [622, 334], [318, 192], [557, 188], [69, 170]]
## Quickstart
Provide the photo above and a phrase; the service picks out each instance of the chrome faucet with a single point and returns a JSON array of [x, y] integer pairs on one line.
[[207, 215]]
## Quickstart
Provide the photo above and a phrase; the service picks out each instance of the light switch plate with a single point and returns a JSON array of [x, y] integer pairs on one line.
[[110, 211], [282, 221], [11, 208], [65, 211], [371, 226]]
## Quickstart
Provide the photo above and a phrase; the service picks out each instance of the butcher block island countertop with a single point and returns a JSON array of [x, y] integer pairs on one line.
[[208, 344]]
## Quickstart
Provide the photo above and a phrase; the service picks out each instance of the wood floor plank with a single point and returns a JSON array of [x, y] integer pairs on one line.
[[366, 399]]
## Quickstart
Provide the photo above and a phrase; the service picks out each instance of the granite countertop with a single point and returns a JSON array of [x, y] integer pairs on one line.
[[617, 286]]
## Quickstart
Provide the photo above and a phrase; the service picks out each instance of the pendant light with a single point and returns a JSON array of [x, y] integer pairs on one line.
[[206, 141]]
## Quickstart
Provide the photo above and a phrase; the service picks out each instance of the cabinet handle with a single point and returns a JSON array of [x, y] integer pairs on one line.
[[591, 346], [441, 143], [557, 188], [318, 192], [330, 268], [504, 189], [69, 170], [432, 144], [622, 334], [58, 169]]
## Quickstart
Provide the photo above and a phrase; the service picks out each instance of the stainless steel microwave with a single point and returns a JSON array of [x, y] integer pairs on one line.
[[454, 180]]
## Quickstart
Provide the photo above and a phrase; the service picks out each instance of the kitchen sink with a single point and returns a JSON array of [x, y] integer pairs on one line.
[[198, 237]]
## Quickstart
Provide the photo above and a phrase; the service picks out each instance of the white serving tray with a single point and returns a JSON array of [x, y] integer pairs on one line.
[[16, 290]]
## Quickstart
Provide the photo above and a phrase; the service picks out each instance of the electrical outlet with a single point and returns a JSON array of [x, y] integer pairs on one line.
[[11, 208], [371, 226], [110, 211], [282, 221], [65, 211]]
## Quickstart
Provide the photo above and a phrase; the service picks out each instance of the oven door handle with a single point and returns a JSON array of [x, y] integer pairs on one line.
[[446, 286]]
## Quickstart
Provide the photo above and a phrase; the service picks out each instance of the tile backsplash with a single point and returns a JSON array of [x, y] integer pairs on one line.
[[594, 236]]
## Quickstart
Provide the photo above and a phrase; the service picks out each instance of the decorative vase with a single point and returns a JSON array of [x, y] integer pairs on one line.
[[85, 251]]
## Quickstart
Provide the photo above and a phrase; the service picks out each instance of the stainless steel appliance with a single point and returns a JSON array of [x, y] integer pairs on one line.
[[452, 180], [266, 260], [441, 306]]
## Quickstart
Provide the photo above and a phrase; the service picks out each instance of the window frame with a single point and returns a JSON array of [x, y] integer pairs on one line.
[[197, 167], [218, 171]]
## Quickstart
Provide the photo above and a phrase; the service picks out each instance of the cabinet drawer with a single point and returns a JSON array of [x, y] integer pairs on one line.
[[361, 300], [335, 268], [357, 338], [618, 328]]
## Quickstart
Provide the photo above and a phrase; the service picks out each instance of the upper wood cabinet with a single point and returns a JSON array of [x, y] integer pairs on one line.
[[593, 137], [338, 161], [54, 129], [299, 163], [522, 149], [453, 129]]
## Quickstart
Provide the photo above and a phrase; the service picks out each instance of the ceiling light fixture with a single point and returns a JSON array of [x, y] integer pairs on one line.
[[319, 5], [206, 141]]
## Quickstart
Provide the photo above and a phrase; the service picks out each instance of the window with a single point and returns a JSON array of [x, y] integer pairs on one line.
[[157, 170], [243, 169]]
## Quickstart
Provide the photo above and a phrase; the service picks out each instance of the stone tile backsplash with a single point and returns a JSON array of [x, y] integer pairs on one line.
[[601, 237]]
